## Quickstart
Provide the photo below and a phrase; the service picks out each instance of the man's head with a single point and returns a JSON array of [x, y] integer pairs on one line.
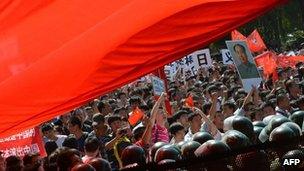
[[70, 142], [161, 116], [104, 107], [241, 53], [292, 88], [91, 146], [14, 163], [181, 117], [74, 124], [195, 120], [213, 89], [67, 159], [134, 102], [219, 120], [114, 122], [122, 96], [228, 108], [190, 81], [48, 131], [50, 147], [283, 101], [282, 74], [100, 164], [177, 130], [80, 114], [99, 124], [268, 109]]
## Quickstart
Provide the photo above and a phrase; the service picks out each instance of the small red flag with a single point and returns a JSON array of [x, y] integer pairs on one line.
[[235, 35], [135, 116], [189, 101], [268, 61], [255, 42]]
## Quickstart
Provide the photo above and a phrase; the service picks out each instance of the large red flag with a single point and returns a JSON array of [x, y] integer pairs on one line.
[[56, 55], [255, 42]]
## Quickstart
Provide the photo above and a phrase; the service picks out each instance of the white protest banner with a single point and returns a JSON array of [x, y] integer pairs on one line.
[[243, 60], [226, 56], [158, 85], [189, 64], [202, 58]]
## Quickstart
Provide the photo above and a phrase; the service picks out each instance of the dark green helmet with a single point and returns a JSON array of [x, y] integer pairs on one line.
[[202, 137], [133, 154], [235, 139], [276, 122], [296, 129], [264, 135], [259, 124], [167, 152], [212, 147], [243, 125], [282, 134], [180, 144], [164, 164], [267, 119], [257, 130], [297, 117], [154, 148], [189, 148]]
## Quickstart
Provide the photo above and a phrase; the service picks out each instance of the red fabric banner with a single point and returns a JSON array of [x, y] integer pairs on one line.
[[29, 141], [255, 42], [56, 55]]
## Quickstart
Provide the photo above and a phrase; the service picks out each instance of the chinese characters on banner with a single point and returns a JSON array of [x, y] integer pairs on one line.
[[227, 58], [20, 144], [158, 86], [189, 64]]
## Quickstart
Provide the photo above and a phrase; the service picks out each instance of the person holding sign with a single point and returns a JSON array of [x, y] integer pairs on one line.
[[246, 68]]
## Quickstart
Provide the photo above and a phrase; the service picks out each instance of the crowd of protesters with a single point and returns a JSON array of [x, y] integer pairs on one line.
[[224, 117]]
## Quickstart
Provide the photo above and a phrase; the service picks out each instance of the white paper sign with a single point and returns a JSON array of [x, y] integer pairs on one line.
[[158, 85], [227, 58], [189, 64]]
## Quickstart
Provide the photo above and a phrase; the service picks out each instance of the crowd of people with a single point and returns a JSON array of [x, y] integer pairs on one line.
[[222, 118]]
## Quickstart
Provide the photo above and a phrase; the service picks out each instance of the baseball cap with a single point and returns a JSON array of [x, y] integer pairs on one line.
[[97, 119]]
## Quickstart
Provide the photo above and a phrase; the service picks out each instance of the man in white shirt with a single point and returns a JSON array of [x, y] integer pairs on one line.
[[50, 135], [195, 120], [283, 105]]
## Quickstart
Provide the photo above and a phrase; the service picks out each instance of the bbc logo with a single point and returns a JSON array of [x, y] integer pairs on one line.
[[291, 162]]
